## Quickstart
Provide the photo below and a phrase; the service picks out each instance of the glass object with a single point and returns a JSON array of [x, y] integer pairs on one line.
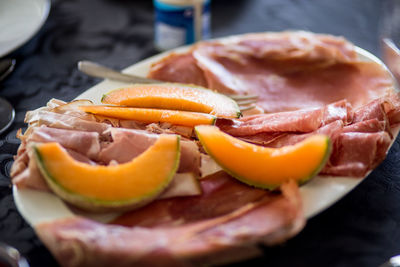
[[390, 36], [180, 22]]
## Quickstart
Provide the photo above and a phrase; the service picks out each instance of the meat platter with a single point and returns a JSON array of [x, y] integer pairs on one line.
[[317, 195]]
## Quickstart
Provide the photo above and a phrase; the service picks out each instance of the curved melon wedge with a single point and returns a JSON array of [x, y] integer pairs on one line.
[[119, 187], [150, 115], [174, 96], [261, 166]]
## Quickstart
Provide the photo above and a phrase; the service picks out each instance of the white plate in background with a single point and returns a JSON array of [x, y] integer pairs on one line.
[[19, 22]]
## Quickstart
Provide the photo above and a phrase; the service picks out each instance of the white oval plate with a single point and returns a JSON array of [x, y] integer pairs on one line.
[[318, 194], [19, 21]]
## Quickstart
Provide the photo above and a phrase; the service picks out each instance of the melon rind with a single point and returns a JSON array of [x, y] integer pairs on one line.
[[245, 177], [100, 205], [222, 105]]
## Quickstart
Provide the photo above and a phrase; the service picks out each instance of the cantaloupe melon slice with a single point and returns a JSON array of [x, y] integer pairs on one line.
[[150, 115], [118, 187], [265, 167], [174, 96]]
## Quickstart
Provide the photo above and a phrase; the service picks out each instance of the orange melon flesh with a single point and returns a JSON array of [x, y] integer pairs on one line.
[[88, 186], [174, 96], [149, 115], [265, 167]]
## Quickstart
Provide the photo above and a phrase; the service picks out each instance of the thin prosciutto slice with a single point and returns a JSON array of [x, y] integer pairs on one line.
[[305, 120], [86, 143], [180, 68], [208, 236], [289, 70], [367, 126], [129, 143], [31, 178], [357, 153], [64, 121]]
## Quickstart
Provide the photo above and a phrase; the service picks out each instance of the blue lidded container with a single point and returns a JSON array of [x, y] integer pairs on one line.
[[181, 22]]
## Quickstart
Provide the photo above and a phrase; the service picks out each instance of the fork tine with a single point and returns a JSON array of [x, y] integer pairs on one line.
[[246, 102], [243, 97], [244, 108]]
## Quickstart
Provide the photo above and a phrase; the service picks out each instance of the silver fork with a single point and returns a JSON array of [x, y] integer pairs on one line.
[[245, 102]]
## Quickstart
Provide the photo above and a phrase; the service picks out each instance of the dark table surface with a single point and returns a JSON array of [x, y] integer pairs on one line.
[[362, 229]]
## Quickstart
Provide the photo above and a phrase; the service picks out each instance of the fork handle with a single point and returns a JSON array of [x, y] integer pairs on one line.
[[95, 70]]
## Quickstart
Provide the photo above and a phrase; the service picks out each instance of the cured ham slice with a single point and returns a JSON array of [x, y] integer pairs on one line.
[[180, 68], [276, 46], [262, 138], [357, 153], [128, 143], [306, 120], [64, 121], [300, 44], [372, 110], [220, 191], [289, 71], [86, 143], [340, 110], [209, 238], [72, 109], [332, 130], [394, 116], [393, 110], [31, 178], [367, 126], [21, 159]]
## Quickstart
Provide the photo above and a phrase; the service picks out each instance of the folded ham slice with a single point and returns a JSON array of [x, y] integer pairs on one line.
[[220, 192], [367, 126], [207, 236], [356, 153], [179, 68], [129, 143], [31, 178], [332, 130], [305, 120], [64, 121], [85, 143], [126, 145]]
